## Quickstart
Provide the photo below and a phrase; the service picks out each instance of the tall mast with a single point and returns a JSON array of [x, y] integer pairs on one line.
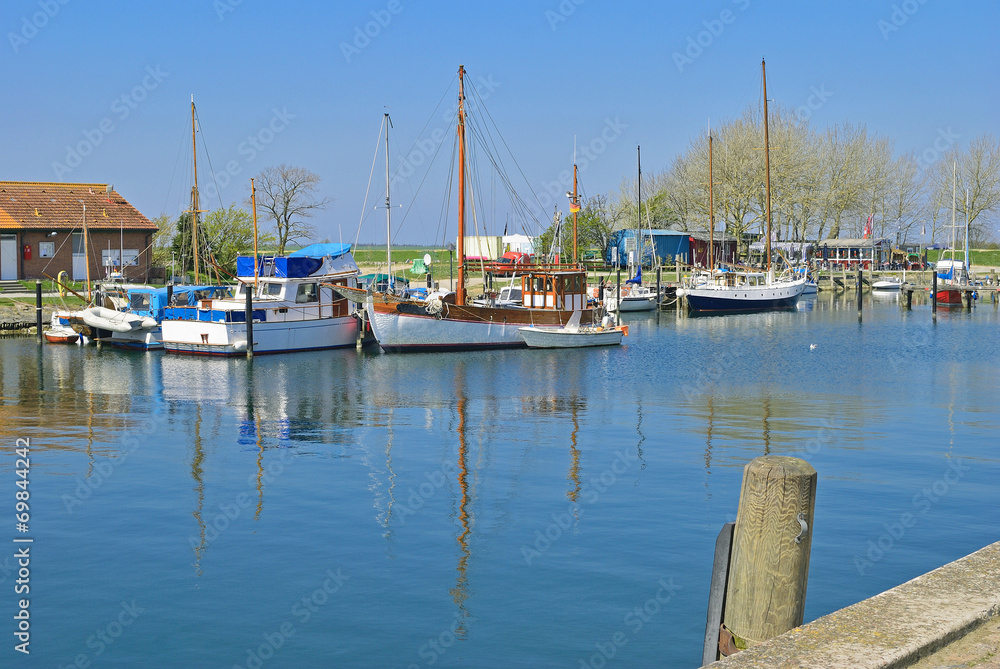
[[194, 194], [954, 172], [711, 209], [460, 292], [767, 169], [638, 200], [576, 205], [388, 215], [253, 202]]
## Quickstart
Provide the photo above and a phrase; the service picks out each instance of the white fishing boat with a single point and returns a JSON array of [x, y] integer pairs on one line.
[[742, 290], [887, 285], [449, 321], [294, 307], [573, 335]]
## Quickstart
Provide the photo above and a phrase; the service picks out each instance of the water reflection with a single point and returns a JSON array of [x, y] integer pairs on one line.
[[460, 593]]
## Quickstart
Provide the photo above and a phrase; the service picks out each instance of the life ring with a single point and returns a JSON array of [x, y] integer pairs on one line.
[[61, 279]]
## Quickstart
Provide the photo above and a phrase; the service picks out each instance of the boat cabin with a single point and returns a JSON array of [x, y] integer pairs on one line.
[[563, 290]]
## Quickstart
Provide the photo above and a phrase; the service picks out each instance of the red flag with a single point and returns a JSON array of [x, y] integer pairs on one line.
[[868, 227]]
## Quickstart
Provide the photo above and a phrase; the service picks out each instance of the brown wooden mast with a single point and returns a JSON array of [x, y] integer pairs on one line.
[[460, 291], [767, 170], [194, 194]]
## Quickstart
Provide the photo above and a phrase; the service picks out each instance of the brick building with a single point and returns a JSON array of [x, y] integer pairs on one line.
[[42, 232]]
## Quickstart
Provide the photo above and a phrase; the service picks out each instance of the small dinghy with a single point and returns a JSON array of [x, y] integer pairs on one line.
[[572, 335]]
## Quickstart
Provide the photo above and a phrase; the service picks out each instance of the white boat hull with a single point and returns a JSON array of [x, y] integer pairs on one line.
[[540, 337], [226, 339], [412, 332], [728, 299]]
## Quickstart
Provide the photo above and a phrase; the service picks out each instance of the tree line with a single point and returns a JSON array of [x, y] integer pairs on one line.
[[824, 184]]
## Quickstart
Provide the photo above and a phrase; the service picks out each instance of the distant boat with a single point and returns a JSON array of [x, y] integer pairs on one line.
[[747, 290], [293, 305], [952, 272], [887, 284], [634, 296], [573, 335]]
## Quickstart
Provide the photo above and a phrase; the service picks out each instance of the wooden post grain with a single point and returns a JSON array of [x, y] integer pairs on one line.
[[769, 567]]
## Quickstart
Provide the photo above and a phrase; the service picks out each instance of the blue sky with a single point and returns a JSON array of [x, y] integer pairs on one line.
[[114, 79]]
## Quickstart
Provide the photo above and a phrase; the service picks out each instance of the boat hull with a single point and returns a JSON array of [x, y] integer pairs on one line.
[[561, 338], [407, 327], [737, 300], [949, 297], [230, 339]]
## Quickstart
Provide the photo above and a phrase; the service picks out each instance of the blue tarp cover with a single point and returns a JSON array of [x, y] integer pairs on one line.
[[321, 250]]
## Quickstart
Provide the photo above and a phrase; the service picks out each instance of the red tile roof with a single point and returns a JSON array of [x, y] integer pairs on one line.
[[26, 205]]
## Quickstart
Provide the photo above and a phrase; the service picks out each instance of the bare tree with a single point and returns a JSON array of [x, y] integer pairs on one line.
[[288, 195]]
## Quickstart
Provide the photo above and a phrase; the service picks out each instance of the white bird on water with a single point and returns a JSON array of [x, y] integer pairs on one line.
[[812, 347]]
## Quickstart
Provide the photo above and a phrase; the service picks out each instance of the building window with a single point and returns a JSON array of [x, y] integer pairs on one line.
[[112, 257], [46, 249]]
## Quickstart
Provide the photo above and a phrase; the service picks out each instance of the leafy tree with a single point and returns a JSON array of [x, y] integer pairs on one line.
[[163, 238], [228, 233]]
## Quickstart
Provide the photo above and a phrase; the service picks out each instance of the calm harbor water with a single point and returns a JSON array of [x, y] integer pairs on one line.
[[502, 509]]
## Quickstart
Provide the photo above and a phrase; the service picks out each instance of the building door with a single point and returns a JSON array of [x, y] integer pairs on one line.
[[79, 258], [8, 257]]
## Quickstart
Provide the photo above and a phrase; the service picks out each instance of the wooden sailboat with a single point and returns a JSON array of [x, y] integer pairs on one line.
[[550, 295], [741, 290]]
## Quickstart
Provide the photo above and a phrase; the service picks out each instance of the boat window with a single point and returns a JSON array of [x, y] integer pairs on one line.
[[539, 284], [306, 293], [139, 302], [272, 289]]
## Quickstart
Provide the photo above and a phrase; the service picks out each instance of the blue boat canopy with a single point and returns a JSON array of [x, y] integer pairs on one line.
[[321, 251]]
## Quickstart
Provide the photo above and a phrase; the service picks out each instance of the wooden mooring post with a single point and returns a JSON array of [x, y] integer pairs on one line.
[[768, 568], [249, 318], [38, 311], [934, 296], [860, 287], [618, 296]]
